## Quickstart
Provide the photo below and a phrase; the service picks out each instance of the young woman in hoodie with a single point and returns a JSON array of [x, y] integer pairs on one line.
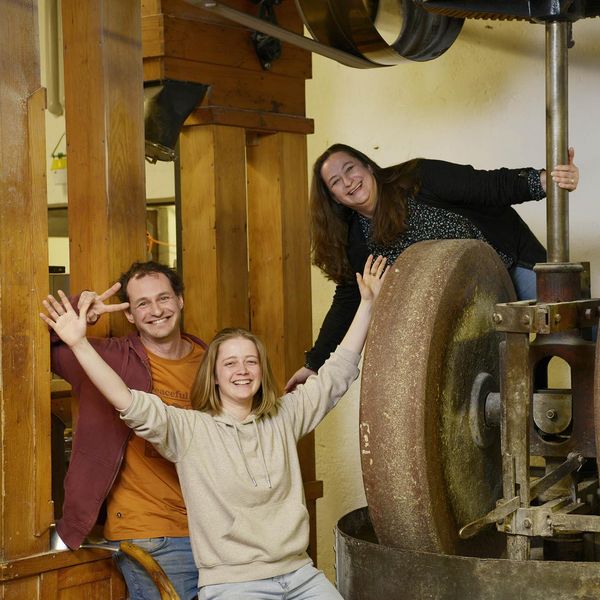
[[236, 454]]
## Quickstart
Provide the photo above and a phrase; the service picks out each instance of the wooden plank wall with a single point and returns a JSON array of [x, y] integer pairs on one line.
[[25, 505], [105, 144], [213, 228]]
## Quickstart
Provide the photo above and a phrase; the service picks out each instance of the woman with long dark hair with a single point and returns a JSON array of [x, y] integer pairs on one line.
[[358, 207]]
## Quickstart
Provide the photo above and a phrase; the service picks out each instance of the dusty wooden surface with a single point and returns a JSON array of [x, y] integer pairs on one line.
[[105, 144]]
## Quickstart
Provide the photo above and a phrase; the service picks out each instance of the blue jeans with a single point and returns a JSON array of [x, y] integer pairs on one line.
[[307, 583], [524, 281], [174, 555]]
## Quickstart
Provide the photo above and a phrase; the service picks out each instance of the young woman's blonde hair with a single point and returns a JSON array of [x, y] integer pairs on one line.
[[205, 392]]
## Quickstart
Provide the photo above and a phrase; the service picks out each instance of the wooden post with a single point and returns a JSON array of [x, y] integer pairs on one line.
[[279, 252], [105, 143], [213, 228], [25, 504]]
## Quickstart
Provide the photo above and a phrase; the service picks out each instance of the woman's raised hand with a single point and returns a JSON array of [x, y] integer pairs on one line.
[[62, 318], [370, 282]]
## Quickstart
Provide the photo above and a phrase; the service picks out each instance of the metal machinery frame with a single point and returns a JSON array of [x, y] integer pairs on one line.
[[554, 424]]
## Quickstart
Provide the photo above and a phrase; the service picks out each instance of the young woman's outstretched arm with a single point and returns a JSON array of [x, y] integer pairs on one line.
[[71, 328], [369, 284]]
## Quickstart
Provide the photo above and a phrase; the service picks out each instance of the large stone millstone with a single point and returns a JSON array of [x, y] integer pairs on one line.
[[432, 333]]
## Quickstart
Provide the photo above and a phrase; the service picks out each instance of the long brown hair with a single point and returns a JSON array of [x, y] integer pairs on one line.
[[205, 393], [330, 220]]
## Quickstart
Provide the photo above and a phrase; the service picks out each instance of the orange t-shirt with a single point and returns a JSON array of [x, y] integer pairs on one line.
[[145, 500]]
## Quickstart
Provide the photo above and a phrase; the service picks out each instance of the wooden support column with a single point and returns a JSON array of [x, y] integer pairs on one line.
[[105, 143], [26, 509], [279, 252], [213, 228], [25, 504]]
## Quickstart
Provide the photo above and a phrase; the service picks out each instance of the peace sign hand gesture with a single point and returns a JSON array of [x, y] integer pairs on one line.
[[97, 305]]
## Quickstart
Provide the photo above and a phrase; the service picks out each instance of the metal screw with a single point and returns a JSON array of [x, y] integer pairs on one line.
[[497, 318], [551, 414], [526, 320], [557, 318], [527, 523]]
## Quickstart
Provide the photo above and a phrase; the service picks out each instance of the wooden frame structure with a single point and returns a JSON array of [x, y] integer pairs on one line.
[[244, 233]]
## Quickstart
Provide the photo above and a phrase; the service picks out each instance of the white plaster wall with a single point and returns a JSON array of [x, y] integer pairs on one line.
[[482, 103]]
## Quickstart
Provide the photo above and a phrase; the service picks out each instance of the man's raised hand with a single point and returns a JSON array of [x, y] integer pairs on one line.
[[98, 305]]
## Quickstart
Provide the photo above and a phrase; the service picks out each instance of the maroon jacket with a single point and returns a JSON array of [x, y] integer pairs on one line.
[[101, 438]]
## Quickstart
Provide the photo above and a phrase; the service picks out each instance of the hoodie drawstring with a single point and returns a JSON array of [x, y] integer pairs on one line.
[[239, 445], [262, 454], [260, 449]]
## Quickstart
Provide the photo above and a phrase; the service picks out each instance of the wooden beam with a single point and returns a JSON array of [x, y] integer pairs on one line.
[[105, 143], [278, 233], [213, 228], [279, 253], [25, 503]]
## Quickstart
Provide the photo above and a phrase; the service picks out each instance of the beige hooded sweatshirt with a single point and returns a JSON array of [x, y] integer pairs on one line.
[[241, 480]]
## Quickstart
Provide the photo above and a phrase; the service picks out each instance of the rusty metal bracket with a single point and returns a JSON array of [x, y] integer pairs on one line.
[[547, 521], [528, 317]]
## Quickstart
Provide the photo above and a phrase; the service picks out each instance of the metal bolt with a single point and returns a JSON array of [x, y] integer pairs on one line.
[[527, 523], [526, 320], [497, 318], [551, 414], [507, 528], [557, 318]]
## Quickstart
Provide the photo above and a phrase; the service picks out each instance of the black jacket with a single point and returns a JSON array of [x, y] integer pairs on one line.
[[484, 197]]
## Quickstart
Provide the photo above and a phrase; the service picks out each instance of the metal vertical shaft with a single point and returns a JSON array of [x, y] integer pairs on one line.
[[557, 209]]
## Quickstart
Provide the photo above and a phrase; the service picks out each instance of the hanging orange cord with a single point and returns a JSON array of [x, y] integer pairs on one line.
[[150, 241]]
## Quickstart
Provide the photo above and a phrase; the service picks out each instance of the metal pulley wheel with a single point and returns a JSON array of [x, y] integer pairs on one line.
[[427, 470], [384, 32]]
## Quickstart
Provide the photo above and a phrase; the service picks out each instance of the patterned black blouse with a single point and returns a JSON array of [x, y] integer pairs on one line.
[[427, 222]]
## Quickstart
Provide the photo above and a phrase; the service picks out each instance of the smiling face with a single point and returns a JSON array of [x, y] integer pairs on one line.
[[154, 308], [238, 374], [350, 182]]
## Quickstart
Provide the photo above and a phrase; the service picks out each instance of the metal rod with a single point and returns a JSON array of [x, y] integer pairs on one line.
[[557, 207], [515, 391], [285, 35]]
